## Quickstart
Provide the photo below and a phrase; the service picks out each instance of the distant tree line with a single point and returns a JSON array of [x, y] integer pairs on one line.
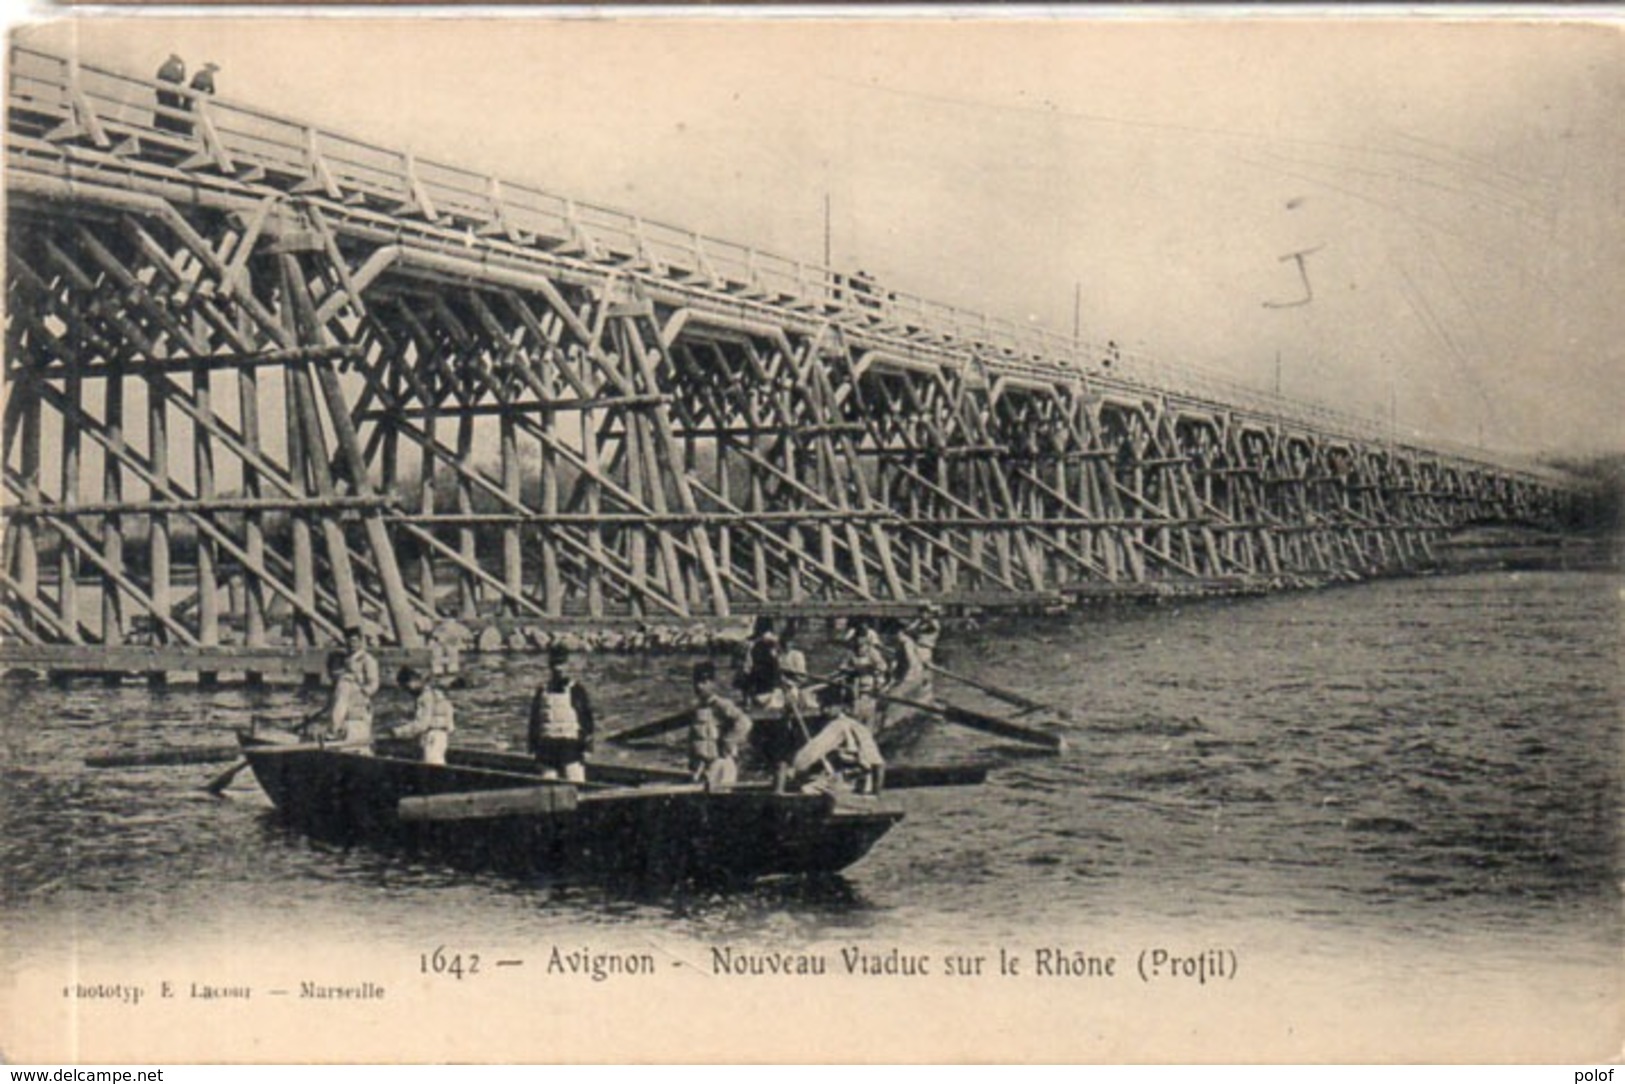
[[1601, 502]]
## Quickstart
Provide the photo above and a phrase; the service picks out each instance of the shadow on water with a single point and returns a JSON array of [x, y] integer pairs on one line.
[[605, 895]]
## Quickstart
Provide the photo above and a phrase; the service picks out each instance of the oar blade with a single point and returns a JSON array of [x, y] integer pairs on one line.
[[217, 786], [1026, 704], [654, 729], [987, 724], [161, 758]]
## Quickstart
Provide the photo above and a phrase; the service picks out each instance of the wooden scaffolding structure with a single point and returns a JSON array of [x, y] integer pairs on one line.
[[265, 382]]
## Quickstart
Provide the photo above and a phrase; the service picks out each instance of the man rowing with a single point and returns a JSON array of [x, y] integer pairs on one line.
[[842, 754], [916, 646]]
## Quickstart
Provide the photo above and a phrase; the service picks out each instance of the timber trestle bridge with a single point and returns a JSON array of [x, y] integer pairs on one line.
[[266, 381]]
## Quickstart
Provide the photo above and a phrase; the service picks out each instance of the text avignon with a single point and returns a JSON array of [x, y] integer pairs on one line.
[[598, 965]]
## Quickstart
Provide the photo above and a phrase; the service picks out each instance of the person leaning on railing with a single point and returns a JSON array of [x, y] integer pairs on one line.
[[203, 81], [173, 71]]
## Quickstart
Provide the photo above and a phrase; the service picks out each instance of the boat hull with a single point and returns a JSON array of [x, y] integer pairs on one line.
[[657, 833]]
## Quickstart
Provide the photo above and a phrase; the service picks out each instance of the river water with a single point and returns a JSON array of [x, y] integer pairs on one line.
[[1392, 808]]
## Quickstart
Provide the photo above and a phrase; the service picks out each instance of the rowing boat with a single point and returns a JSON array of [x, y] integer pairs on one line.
[[483, 810]]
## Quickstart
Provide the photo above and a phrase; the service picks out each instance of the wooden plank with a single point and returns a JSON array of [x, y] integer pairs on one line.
[[545, 800]]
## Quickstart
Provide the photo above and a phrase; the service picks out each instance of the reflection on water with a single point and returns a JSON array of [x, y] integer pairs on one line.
[[1398, 762]]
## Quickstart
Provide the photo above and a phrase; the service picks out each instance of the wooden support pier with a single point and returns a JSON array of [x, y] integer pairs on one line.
[[263, 387]]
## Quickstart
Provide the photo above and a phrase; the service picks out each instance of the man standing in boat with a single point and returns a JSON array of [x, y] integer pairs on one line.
[[776, 738], [347, 716], [717, 734], [561, 723], [866, 671], [916, 647], [793, 672], [758, 680], [432, 717], [360, 663]]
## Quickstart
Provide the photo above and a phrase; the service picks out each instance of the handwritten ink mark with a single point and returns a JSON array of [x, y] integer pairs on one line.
[[1303, 274]]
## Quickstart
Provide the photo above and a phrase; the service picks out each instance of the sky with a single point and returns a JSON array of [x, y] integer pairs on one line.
[[1459, 186]]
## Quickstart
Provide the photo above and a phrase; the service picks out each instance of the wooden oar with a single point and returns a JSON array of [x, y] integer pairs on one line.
[[975, 720], [192, 754], [994, 691], [654, 729], [219, 783], [916, 776]]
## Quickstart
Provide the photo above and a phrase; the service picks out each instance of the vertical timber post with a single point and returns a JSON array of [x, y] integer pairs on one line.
[[253, 593], [208, 597], [27, 545], [113, 493], [158, 522], [67, 568], [304, 553]]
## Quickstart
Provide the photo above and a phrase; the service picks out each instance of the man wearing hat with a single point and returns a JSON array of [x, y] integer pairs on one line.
[[926, 630], [793, 672], [717, 734], [360, 664], [347, 716], [758, 680], [172, 71], [842, 754], [561, 723], [432, 716], [866, 670], [916, 647], [203, 81]]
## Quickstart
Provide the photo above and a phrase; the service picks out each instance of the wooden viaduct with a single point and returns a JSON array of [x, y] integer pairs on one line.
[[265, 381]]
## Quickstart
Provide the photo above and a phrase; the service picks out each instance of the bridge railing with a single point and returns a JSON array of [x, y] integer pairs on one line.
[[55, 94]]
